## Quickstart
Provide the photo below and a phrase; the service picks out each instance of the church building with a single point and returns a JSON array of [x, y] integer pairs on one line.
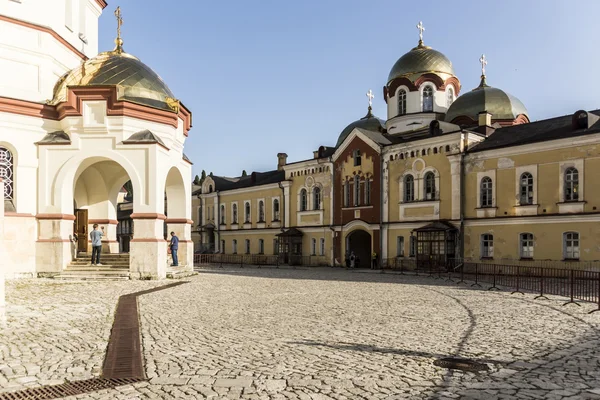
[[75, 128], [451, 173]]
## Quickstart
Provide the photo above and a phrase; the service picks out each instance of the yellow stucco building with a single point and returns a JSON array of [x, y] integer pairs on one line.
[[445, 177]]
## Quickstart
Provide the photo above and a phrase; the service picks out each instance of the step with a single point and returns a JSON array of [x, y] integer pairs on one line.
[[89, 277], [96, 272], [104, 263], [108, 268]]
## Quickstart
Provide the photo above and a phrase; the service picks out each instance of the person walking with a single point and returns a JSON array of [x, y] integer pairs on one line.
[[374, 264], [96, 238], [174, 245], [352, 259]]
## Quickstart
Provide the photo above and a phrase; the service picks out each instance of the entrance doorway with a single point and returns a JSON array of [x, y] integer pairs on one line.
[[436, 246], [80, 228], [359, 242]]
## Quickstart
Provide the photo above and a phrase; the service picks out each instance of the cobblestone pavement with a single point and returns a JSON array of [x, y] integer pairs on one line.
[[309, 334]]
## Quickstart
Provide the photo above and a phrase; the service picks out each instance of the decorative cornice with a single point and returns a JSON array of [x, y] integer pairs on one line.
[[27, 108], [148, 216], [179, 221], [103, 221], [102, 4], [390, 90], [48, 31], [67, 217]]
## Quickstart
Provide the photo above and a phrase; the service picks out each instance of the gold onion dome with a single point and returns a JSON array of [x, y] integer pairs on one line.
[[501, 105], [369, 122], [419, 61]]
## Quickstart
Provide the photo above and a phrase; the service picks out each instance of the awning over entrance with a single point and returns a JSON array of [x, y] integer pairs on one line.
[[436, 245], [436, 226], [290, 246], [292, 232]]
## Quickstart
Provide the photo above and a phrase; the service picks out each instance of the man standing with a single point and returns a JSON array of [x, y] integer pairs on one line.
[[174, 245], [96, 237], [352, 259], [374, 262]]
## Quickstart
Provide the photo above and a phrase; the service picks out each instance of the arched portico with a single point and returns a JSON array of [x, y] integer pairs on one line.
[[359, 242], [178, 213]]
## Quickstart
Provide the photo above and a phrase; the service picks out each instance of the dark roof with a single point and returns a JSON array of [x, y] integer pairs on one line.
[[185, 158], [434, 128], [144, 136], [368, 122], [539, 131], [58, 137], [436, 226], [223, 183], [290, 232]]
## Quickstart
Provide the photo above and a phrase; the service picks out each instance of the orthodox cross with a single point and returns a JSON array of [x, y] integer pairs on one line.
[[421, 28], [371, 97], [119, 21], [483, 62]]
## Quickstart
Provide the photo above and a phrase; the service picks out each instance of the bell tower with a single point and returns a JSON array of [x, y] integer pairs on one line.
[[40, 40]]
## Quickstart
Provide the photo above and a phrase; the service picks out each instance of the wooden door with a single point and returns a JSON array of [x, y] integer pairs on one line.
[[81, 228]]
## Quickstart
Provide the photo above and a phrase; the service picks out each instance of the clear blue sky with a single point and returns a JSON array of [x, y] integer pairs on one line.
[[270, 76]]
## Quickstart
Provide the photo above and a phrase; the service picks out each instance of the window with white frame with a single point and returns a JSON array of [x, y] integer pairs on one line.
[[367, 191], [401, 102], [400, 246], [222, 246], [247, 246], [261, 246], [303, 200], [247, 212], [429, 186], [526, 189], [234, 218], [313, 247], [356, 190], [222, 214], [322, 246], [276, 210], [275, 247], [571, 246], [409, 188], [428, 99], [412, 250], [571, 184], [356, 156], [449, 97], [486, 192], [261, 211], [317, 198], [234, 246], [526, 245], [487, 245]]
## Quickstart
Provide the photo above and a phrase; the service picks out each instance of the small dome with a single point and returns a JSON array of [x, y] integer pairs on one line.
[[135, 81], [421, 60], [368, 122], [497, 102]]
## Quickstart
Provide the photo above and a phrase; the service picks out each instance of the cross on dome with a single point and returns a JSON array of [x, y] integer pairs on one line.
[[118, 40], [483, 62], [421, 28], [371, 97]]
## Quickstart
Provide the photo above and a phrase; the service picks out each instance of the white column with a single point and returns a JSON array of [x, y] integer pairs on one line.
[[456, 180], [2, 266], [286, 193]]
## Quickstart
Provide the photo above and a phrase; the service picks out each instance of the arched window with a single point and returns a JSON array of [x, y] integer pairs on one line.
[[428, 99], [401, 102], [276, 210], [317, 198], [571, 246], [209, 188], [303, 200], [449, 97], [571, 184], [367, 192], [486, 192], [429, 186], [6, 172], [356, 190], [234, 214], [409, 188], [346, 193], [261, 211], [222, 214], [247, 216], [526, 191]]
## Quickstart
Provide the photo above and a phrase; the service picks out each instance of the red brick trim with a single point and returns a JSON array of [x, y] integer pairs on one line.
[[148, 241], [179, 221], [18, 215], [102, 4], [54, 241], [49, 31], [148, 216], [56, 216], [103, 221], [27, 108]]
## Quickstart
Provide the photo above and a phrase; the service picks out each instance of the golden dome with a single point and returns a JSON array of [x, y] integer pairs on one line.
[[419, 61], [135, 81]]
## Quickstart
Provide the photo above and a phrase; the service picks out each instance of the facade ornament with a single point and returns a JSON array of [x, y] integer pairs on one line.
[[118, 40], [421, 28]]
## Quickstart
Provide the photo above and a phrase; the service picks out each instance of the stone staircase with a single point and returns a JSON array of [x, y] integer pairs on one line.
[[114, 267]]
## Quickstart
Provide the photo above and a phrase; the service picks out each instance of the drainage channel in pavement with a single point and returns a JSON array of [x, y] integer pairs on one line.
[[123, 364]]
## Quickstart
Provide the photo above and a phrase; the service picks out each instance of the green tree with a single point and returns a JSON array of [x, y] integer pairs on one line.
[[197, 180], [129, 187], [202, 177], [244, 173]]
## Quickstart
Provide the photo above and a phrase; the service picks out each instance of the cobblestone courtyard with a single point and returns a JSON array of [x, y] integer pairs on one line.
[[305, 334]]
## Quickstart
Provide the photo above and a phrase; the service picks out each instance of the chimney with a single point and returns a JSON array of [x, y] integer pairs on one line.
[[316, 154], [281, 161], [485, 123]]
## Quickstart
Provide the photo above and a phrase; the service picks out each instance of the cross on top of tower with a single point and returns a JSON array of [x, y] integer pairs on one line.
[[371, 97], [421, 28], [118, 40], [483, 62]]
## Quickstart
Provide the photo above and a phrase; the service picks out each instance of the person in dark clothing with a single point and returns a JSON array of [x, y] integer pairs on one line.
[[174, 246]]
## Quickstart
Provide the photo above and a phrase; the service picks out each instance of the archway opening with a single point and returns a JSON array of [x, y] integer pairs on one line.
[[359, 243], [177, 206], [98, 194]]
